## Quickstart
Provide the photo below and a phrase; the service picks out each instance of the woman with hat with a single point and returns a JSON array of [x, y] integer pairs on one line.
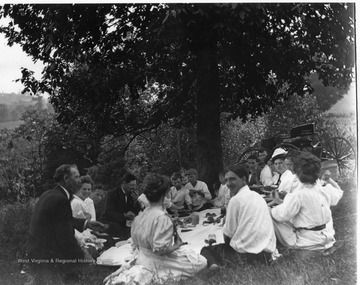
[[300, 220]]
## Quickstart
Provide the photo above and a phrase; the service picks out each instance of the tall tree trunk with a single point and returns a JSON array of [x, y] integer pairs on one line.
[[209, 154], [178, 146]]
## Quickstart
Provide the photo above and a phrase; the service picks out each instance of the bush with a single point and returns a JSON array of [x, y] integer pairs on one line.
[[15, 222]]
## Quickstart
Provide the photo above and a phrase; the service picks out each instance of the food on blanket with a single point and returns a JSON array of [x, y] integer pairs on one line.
[[270, 188], [188, 220], [213, 220], [218, 219], [211, 239], [178, 222]]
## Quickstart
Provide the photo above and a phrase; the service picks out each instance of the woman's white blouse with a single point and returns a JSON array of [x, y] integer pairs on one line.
[[308, 206], [152, 229]]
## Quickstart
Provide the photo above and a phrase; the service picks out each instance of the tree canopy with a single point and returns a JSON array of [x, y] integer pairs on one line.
[[125, 68]]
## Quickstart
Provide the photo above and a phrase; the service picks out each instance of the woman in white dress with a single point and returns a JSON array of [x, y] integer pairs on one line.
[[300, 221], [160, 254], [84, 210], [81, 205]]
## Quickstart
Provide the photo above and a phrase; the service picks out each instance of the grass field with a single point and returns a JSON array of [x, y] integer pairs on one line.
[[338, 268]]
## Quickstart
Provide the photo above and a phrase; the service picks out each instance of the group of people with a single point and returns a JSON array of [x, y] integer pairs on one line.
[[297, 216], [295, 213]]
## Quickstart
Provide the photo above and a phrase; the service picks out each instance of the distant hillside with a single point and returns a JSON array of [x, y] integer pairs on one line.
[[10, 125], [11, 98], [346, 105]]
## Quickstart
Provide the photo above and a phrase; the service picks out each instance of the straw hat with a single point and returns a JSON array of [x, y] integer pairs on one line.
[[278, 153]]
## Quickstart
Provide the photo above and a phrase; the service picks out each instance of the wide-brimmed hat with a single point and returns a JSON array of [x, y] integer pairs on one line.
[[278, 153]]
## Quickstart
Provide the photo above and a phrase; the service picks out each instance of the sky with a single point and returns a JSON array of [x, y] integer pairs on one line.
[[11, 61]]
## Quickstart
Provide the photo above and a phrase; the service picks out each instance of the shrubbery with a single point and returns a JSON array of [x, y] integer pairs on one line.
[[15, 223]]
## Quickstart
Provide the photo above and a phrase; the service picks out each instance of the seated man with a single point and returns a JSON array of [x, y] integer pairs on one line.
[[284, 177], [254, 177], [121, 207], [178, 195], [246, 207], [51, 233], [266, 174], [252, 163], [289, 160], [198, 191], [98, 196]]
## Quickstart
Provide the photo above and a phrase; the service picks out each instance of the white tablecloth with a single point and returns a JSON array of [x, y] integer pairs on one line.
[[195, 239]]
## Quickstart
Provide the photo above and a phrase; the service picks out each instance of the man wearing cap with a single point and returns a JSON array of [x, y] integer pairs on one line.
[[284, 177], [198, 190]]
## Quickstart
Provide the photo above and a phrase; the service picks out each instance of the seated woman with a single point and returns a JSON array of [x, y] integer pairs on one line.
[[167, 203], [300, 221], [79, 208], [87, 185], [84, 210], [153, 234]]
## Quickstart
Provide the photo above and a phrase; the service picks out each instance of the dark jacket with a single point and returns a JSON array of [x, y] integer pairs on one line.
[[116, 207], [254, 180], [52, 226]]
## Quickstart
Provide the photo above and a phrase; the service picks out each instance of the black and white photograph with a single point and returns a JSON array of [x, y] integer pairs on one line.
[[178, 143]]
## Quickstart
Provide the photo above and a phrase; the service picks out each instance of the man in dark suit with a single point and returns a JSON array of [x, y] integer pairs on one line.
[[52, 247], [254, 177], [121, 206]]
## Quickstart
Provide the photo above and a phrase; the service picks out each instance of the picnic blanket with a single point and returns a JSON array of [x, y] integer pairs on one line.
[[195, 236]]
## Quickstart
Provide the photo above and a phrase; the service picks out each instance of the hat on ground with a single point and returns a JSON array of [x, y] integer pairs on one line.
[[191, 171], [278, 153]]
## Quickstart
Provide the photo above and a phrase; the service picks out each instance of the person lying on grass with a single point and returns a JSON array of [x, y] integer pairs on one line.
[[248, 231]]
